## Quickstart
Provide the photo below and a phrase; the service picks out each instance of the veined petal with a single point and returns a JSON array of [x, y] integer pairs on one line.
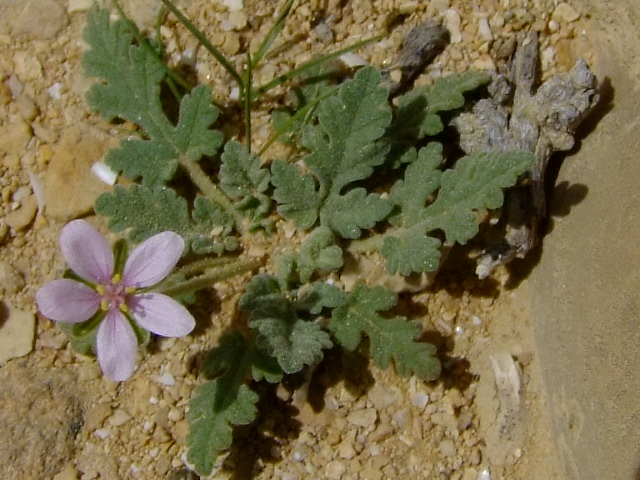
[[68, 301], [161, 315], [87, 252], [116, 346], [153, 260]]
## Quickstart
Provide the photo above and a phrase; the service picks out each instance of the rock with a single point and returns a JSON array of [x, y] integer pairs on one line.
[[39, 418], [10, 279], [70, 187], [565, 13], [17, 331], [14, 137], [41, 19], [363, 418], [20, 218]]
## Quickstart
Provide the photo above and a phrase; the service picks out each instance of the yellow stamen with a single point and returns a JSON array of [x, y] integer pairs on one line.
[[104, 306], [124, 308], [100, 289], [129, 290], [116, 278]]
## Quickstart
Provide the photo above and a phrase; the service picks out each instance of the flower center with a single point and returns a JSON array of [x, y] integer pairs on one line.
[[114, 295]]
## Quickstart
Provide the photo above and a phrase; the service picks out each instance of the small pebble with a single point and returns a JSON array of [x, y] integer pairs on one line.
[[363, 418]]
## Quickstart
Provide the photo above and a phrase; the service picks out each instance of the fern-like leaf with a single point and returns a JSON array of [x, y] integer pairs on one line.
[[391, 339]]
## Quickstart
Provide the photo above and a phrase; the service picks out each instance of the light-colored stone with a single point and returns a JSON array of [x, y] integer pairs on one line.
[[10, 279], [20, 218], [70, 187], [14, 137], [17, 330], [363, 418], [36, 19], [565, 13]]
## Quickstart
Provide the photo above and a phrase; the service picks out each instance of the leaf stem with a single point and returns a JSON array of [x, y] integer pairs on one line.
[[210, 277], [365, 245], [204, 41], [210, 190]]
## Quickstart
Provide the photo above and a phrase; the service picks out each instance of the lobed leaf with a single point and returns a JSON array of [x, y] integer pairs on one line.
[[475, 183], [293, 341], [243, 178], [344, 147], [130, 90], [145, 211], [226, 400], [391, 339]]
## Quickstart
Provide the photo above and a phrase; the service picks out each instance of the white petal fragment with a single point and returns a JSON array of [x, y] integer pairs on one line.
[[68, 301], [117, 346], [153, 260], [87, 252], [161, 315]]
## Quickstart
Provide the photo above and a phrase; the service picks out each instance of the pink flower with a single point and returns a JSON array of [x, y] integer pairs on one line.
[[116, 294]]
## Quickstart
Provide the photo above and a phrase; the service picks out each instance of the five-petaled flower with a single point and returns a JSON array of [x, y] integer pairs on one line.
[[116, 294]]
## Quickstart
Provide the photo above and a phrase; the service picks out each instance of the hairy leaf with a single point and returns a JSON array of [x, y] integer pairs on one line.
[[391, 339], [344, 147], [226, 400], [145, 211], [475, 183], [282, 333], [242, 178], [418, 111], [317, 252], [131, 90]]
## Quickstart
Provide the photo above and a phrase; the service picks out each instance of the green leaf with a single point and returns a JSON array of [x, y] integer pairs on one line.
[[475, 183], [226, 400], [293, 341], [391, 339], [296, 193], [317, 252], [211, 429], [243, 178], [145, 211], [418, 111], [344, 147], [132, 76]]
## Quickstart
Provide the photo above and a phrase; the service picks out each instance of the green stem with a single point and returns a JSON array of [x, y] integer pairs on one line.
[[364, 245], [312, 64], [202, 265], [209, 278], [204, 41], [248, 98], [273, 32], [210, 190]]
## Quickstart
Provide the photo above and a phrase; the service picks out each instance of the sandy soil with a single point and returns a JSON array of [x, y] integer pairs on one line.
[[61, 419]]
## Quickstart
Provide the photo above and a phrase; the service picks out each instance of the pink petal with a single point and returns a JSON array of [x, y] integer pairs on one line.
[[153, 260], [66, 300], [161, 315], [87, 252], [116, 346]]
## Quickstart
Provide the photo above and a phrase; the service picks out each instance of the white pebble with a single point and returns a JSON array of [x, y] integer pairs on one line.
[[101, 433], [452, 22], [165, 379], [484, 29], [233, 5], [484, 475], [353, 60], [419, 399], [55, 91], [104, 173]]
